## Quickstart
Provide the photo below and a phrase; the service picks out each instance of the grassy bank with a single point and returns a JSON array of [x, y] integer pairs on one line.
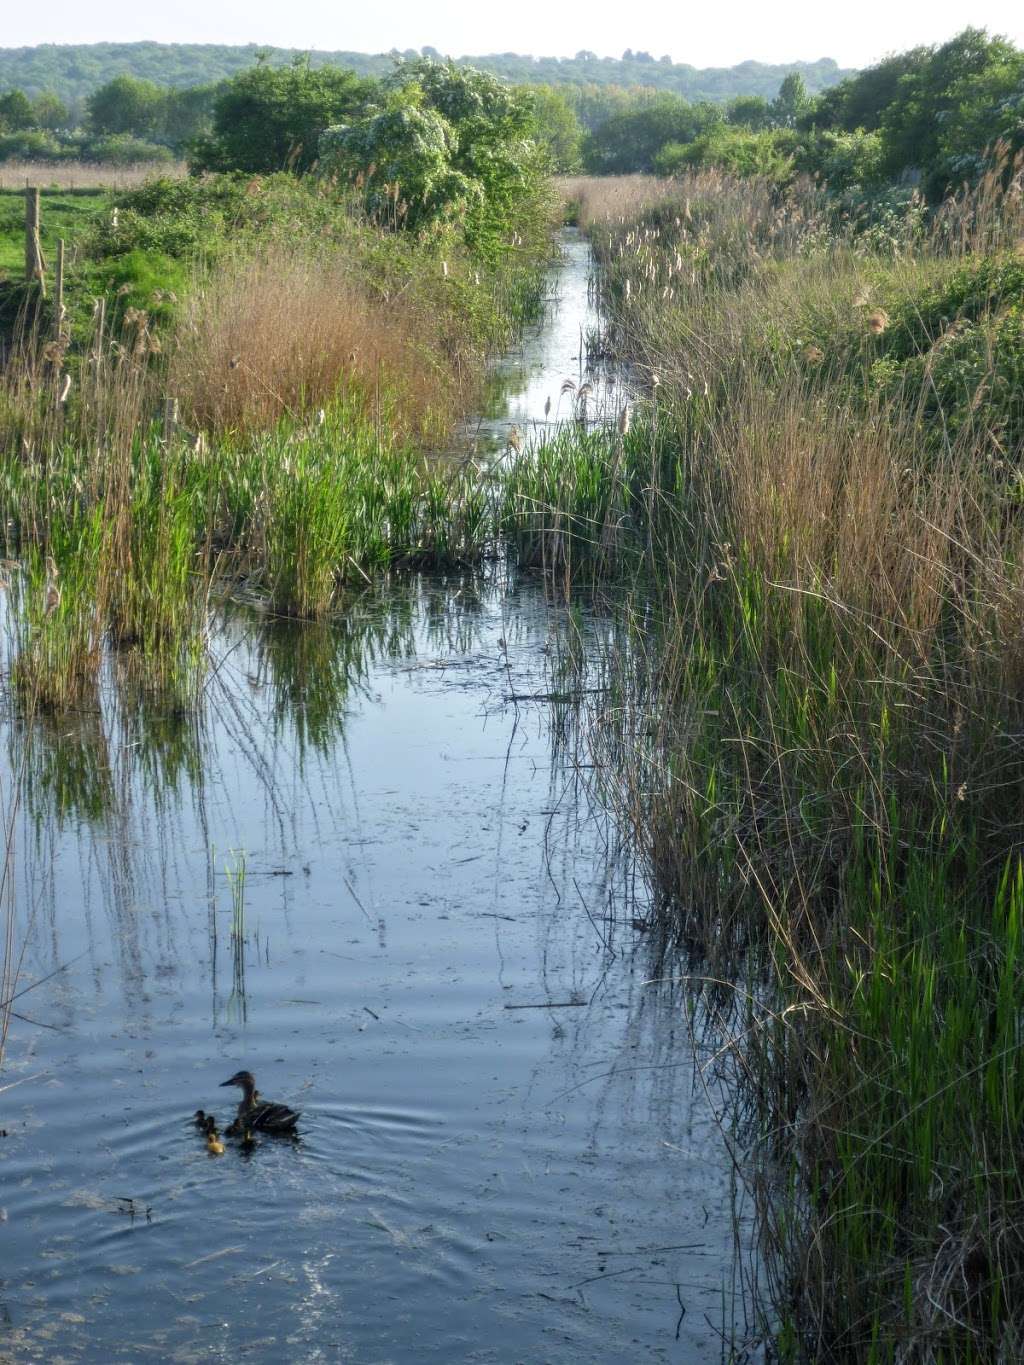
[[248, 399], [818, 733]]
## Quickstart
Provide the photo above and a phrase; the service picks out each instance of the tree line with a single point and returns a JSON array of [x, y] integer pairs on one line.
[[926, 118], [76, 70]]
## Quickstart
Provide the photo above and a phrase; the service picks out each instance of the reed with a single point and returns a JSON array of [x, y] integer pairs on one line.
[[817, 740], [283, 332], [267, 431], [81, 175]]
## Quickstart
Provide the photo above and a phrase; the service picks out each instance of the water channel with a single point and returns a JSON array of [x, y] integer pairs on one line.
[[371, 870]]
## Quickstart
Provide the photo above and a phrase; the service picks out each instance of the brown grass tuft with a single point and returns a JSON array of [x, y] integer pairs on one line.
[[281, 333]]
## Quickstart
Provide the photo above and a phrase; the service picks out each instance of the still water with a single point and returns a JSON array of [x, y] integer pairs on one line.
[[555, 376], [372, 871]]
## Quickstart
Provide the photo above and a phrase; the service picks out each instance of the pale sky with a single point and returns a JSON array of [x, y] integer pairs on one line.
[[704, 35]]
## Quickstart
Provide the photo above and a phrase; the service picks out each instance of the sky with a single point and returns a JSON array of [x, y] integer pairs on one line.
[[703, 35]]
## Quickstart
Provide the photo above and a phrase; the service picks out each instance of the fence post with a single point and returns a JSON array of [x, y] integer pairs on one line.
[[35, 266]]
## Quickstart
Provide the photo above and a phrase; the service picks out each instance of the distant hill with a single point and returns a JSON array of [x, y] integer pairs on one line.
[[73, 70]]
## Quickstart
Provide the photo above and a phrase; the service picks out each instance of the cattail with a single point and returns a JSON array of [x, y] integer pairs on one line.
[[624, 419], [814, 355], [878, 321]]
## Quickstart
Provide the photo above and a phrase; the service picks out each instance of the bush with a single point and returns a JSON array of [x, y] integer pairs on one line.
[[34, 146], [843, 160], [734, 149], [121, 149]]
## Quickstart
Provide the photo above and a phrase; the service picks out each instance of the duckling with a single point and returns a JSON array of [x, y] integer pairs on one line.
[[199, 1119], [247, 1138], [213, 1143], [257, 1114]]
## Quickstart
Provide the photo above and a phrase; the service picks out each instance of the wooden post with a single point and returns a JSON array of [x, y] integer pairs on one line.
[[170, 419], [35, 266], [58, 294]]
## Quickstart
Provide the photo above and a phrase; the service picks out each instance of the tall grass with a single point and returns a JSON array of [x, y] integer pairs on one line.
[[278, 333], [817, 737], [269, 434]]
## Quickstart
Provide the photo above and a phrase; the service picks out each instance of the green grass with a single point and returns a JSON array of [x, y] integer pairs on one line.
[[70, 214]]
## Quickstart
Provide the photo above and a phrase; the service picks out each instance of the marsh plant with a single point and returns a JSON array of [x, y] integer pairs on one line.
[[817, 743]]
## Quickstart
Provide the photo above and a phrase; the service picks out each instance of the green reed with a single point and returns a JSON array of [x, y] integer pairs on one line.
[[818, 747]]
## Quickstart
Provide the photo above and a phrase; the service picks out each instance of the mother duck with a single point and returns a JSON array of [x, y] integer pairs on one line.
[[255, 1114]]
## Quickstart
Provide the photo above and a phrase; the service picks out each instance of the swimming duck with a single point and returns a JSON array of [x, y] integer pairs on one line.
[[257, 1114], [213, 1143], [199, 1119]]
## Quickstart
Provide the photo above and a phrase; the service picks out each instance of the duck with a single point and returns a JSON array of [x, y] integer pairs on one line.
[[199, 1119], [213, 1143], [255, 1114]]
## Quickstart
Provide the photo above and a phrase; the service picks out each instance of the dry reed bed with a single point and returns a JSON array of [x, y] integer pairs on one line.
[[83, 175], [613, 198], [275, 334]]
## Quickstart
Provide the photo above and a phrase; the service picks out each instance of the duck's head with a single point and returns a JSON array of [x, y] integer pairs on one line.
[[243, 1079], [200, 1117]]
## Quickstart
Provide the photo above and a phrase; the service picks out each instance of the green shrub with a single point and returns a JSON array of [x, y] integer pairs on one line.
[[734, 149], [33, 146], [121, 149]]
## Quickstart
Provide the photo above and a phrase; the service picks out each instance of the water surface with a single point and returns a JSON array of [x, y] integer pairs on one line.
[[436, 952]]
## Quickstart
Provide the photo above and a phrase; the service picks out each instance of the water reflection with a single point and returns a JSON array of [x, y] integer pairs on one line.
[[373, 875]]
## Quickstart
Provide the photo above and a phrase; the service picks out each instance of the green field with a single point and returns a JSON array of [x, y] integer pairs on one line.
[[63, 213]]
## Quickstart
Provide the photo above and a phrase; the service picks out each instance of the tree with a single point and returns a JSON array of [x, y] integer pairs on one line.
[[451, 141], [749, 111], [16, 112], [790, 102], [631, 140], [862, 100], [126, 105], [50, 113], [943, 107], [188, 113], [556, 127], [271, 118]]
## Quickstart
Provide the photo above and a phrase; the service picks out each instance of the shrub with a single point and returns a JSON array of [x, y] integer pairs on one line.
[[121, 149]]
